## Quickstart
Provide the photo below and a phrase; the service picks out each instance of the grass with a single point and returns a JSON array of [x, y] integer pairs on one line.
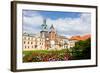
[[45, 51]]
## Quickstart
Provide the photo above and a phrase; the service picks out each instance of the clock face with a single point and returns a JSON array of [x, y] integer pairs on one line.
[[52, 42]]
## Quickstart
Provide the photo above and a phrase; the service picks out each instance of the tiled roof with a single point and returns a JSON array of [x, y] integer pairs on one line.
[[84, 37]]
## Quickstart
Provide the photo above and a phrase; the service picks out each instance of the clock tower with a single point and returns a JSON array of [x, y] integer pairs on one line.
[[44, 32], [44, 35]]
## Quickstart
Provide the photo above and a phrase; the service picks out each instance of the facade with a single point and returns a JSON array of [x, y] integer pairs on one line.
[[46, 40]]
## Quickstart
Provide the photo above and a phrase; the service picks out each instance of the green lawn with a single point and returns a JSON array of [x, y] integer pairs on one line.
[[45, 51]]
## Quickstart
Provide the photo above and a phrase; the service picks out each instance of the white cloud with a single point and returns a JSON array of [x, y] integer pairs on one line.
[[74, 26], [32, 23], [33, 20], [65, 26]]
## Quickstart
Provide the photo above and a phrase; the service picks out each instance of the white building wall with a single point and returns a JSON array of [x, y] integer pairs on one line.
[[28, 43], [37, 43]]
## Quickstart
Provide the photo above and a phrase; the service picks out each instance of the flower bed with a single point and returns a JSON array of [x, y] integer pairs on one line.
[[45, 55]]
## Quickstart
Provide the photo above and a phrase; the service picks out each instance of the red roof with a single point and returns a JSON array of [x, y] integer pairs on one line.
[[84, 37]]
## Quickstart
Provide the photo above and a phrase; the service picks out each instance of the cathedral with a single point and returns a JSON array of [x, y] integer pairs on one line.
[[47, 39]]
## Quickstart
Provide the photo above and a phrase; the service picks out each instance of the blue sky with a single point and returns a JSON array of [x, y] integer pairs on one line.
[[65, 23], [52, 14], [55, 15]]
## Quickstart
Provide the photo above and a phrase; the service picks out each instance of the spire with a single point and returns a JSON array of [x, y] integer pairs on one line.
[[52, 27], [44, 21], [44, 25]]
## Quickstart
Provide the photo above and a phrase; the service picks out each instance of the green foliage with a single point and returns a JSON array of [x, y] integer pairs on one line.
[[82, 50]]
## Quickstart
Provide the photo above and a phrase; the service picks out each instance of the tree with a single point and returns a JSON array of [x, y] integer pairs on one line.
[[82, 50]]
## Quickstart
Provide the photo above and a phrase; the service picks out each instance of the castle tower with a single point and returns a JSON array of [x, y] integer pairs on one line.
[[52, 36], [44, 25], [44, 31], [44, 35], [52, 33]]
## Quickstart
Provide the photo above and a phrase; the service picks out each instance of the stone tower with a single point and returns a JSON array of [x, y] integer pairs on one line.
[[52, 36], [52, 33], [44, 31], [44, 35]]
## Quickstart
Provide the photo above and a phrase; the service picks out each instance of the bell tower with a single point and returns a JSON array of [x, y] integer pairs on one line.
[[52, 37], [44, 35], [52, 33], [44, 31], [44, 25]]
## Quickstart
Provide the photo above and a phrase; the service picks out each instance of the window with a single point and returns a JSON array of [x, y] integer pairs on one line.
[[35, 46], [31, 42], [32, 46], [24, 42], [25, 46], [28, 42]]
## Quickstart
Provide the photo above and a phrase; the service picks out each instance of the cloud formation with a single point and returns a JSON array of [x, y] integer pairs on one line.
[[68, 26]]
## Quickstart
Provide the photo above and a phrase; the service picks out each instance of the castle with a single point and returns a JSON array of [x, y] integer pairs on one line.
[[46, 40]]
